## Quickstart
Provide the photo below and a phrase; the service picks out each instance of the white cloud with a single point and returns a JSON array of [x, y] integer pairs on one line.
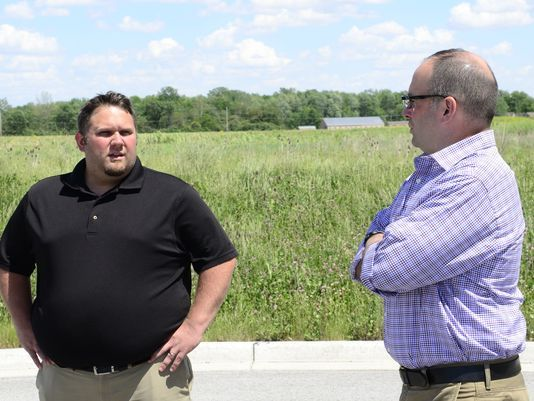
[[16, 40], [310, 16], [65, 3], [215, 6], [492, 13], [387, 28], [165, 46], [199, 67], [320, 5], [19, 10], [29, 63], [324, 55], [287, 18], [376, 40], [98, 60], [526, 70], [55, 12], [325, 52], [277, 4], [272, 21], [130, 24], [250, 52], [223, 37], [500, 49], [270, 15]]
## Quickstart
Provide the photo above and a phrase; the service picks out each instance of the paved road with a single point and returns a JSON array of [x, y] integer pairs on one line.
[[268, 371], [269, 385]]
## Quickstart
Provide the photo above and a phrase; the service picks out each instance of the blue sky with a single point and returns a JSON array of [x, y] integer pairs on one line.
[[53, 50]]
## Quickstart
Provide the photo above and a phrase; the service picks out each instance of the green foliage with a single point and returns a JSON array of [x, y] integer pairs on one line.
[[295, 204], [65, 117], [518, 102], [15, 123], [222, 109], [4, 105], [230, 110]]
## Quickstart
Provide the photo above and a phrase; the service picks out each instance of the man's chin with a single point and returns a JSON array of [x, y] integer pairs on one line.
[[118, 168], [116, 171]]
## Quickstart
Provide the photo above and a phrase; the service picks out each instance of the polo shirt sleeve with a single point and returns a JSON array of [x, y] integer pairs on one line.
[[200, 232], [15, 246]]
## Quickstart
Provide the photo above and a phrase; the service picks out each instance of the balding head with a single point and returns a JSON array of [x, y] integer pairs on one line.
[[469, 79]]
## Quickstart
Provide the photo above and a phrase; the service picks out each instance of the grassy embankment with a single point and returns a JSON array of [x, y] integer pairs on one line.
[[295, 204]]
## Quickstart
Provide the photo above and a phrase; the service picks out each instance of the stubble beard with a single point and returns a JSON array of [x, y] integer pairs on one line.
[[115, 172], [118, 170]]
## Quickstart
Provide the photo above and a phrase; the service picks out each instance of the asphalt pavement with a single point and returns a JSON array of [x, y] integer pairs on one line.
[[268, 371]]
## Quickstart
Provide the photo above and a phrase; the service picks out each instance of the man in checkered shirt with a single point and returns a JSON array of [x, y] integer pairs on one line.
[[445, 255]]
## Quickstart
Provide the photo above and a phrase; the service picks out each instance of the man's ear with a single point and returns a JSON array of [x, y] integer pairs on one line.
[[450, 107], [81, 141]]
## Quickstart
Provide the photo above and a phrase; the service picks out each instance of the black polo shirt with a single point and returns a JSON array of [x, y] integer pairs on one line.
[[113, 271]]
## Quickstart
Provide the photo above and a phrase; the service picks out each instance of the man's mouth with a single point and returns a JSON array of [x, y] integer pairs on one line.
[[116, 156]]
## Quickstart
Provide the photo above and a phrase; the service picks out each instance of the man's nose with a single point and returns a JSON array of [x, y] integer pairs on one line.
[[407, 112], [116, 138]]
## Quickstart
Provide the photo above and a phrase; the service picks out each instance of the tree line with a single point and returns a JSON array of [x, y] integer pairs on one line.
[[224, 109]]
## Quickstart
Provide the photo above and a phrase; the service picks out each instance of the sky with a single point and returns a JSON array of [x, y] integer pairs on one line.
[[57, 50]]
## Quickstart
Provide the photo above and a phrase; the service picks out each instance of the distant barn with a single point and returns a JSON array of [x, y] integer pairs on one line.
[[351, 122], [306, 127]]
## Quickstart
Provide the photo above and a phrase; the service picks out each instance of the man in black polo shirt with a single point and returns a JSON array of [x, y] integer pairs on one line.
[[113, 243]]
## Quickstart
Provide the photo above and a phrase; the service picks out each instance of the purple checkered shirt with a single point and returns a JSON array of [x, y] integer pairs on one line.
[[448, 265]]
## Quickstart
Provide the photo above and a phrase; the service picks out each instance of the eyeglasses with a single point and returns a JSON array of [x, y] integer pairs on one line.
[[409, 100]]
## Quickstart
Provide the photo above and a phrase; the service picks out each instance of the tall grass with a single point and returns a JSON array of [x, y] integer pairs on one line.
[[295, 204]]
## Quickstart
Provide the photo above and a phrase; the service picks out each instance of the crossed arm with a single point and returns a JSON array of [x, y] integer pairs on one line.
[[372, 240]]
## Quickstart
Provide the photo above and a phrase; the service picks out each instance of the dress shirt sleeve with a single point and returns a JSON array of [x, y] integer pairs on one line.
[[449, 231], [379, 223]]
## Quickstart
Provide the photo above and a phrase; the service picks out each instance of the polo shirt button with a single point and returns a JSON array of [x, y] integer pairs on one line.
[[418, 181], [95, 217]]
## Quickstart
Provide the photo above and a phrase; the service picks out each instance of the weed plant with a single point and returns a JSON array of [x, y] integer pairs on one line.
[[295, 204]]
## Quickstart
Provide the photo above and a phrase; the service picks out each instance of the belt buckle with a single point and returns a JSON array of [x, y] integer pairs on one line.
[[414, 377], [106, 372]]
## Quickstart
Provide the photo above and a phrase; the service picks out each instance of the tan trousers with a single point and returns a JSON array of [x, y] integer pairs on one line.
[[139, 383], [511, 389]]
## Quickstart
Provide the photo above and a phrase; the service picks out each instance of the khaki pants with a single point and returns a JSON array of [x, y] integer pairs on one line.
[[511, 389], [139, 383]]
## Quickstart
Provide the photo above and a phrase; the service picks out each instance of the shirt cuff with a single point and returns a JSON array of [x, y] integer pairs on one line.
[[367, 267], [355, 261]]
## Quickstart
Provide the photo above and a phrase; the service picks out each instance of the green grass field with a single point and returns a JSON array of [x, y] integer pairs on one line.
[[295, 205]]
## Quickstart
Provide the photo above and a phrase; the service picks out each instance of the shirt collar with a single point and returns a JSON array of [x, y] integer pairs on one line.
[[133, 181], [452, 154]]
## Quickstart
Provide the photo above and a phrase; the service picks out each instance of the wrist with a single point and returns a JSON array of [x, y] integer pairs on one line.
[[371, 234]]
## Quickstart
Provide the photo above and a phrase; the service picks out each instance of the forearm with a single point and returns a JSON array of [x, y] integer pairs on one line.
[[371, 240], [16, 293], [212, 287], [211, 291]]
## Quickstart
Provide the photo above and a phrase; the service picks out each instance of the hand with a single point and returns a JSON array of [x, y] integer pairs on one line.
[[29, 343], [184, 340]]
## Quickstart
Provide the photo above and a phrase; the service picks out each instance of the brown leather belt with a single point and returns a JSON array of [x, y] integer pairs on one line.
[[498, 369]]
